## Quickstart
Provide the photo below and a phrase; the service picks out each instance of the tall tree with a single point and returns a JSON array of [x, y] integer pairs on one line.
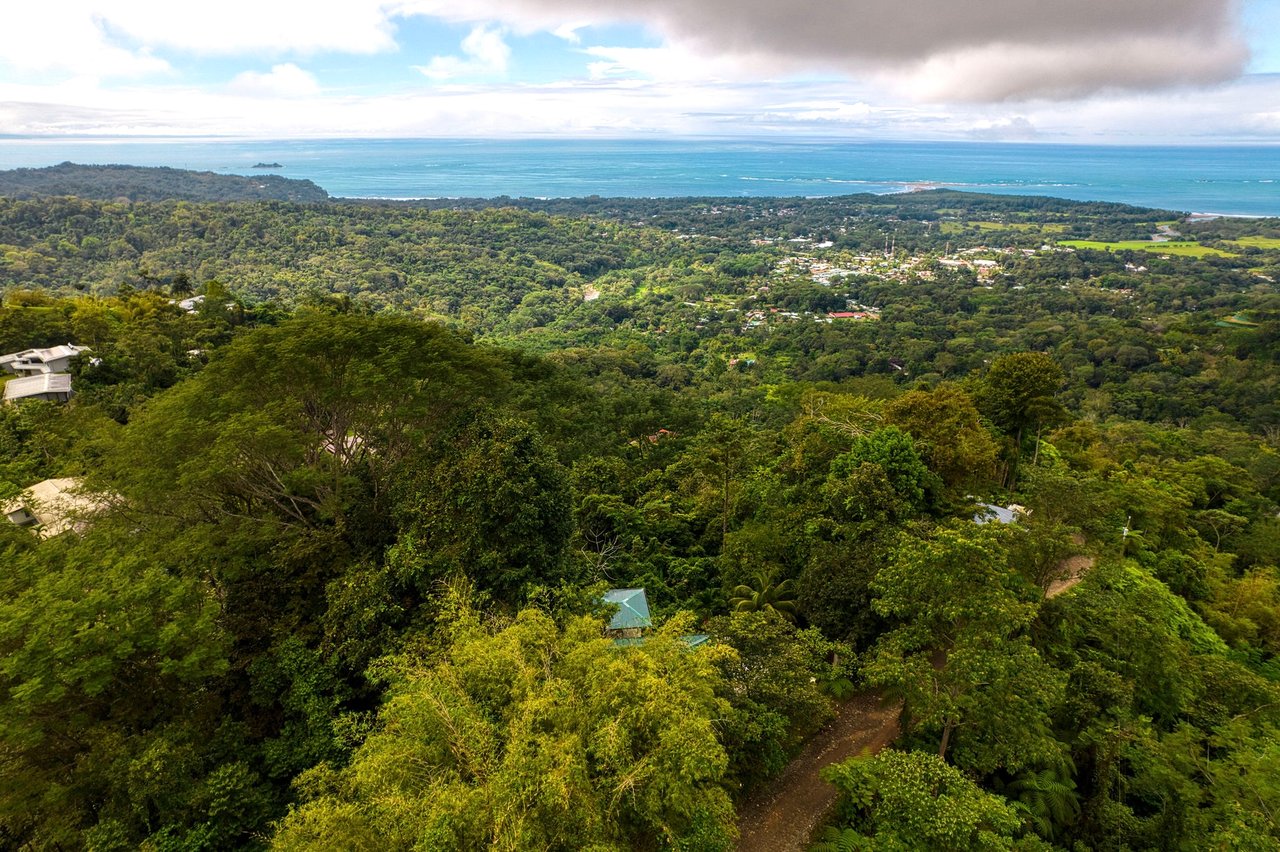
[[960, 655], [948, 434], [1017, 394]]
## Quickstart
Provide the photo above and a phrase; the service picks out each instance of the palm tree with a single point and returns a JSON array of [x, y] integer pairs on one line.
[[764, 595]]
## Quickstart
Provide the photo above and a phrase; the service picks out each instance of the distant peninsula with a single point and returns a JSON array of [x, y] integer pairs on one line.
[[267, 166], [145, 183]]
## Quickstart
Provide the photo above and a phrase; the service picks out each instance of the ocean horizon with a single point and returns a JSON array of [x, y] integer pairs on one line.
[[1242, 180]]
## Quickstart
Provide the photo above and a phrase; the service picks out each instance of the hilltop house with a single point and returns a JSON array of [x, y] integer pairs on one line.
[[35, 362], [42, 373], [50, 507]]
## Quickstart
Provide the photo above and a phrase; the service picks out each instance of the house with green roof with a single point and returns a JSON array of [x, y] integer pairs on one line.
[[632, 617], [628, 624]]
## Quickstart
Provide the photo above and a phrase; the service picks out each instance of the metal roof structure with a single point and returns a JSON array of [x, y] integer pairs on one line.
[[988, 512], [44, 383], [38, 360], [55, 506], [633, 609]]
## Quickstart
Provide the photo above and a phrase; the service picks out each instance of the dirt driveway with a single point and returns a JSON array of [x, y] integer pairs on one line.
[[784, 816]]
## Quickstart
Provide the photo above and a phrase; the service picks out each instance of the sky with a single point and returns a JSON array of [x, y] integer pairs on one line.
[[1099, 71]]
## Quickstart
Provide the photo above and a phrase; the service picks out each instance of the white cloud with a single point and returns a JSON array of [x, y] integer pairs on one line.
[[569, 32], [47, 37], [230, 27], [1243, 111], [657, 63], [1016, 129], [115, 38], [484, 54], [285, 81], [824, 111]]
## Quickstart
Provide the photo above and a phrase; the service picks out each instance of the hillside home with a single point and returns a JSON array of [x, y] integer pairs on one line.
[[632, 619], [55, 387], [50, 507], [35, 362]]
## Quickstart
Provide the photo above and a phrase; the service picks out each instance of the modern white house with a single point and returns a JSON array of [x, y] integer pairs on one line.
[[51, 507], [55, 387], [35, 362]]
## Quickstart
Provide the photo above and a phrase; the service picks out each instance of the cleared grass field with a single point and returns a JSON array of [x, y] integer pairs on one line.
[[959, 227], [1258, 242], [1182, 248]]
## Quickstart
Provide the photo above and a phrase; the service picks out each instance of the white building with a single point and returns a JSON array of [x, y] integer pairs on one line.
[[34, 362], [55, 387], [51, 507]]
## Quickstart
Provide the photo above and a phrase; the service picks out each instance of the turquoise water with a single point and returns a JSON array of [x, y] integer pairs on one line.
[[1225, 179]]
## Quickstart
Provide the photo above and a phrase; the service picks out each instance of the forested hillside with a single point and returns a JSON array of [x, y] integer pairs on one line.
[[148, 183], [355, 512]]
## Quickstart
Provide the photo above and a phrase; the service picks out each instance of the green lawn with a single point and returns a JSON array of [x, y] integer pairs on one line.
[[1045, 227], [1183, 248], [1258, 242]]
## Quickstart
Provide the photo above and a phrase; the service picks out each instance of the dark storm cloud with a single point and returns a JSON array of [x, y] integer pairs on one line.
[[978, 50]]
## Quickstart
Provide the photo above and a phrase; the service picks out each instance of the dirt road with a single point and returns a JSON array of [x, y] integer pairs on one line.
[[1073, 570], [783, 817]]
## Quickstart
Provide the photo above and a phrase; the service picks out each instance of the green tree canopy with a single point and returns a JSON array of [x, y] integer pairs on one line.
[[534, 737], [492, 503], [960, 655], [913, 800]]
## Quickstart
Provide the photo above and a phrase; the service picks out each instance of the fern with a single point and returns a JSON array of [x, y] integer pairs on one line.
[[841, 840], [1047, 800]]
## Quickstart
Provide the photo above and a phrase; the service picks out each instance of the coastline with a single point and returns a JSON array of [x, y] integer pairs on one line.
[[1215, 180]]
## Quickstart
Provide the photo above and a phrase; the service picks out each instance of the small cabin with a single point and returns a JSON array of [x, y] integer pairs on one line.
[[628, 624], [632, 618]]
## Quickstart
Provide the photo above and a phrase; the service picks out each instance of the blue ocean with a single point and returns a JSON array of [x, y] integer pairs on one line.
[[1239, 180]]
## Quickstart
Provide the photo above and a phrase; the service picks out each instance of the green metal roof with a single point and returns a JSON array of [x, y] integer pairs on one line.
[[633, 609]]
